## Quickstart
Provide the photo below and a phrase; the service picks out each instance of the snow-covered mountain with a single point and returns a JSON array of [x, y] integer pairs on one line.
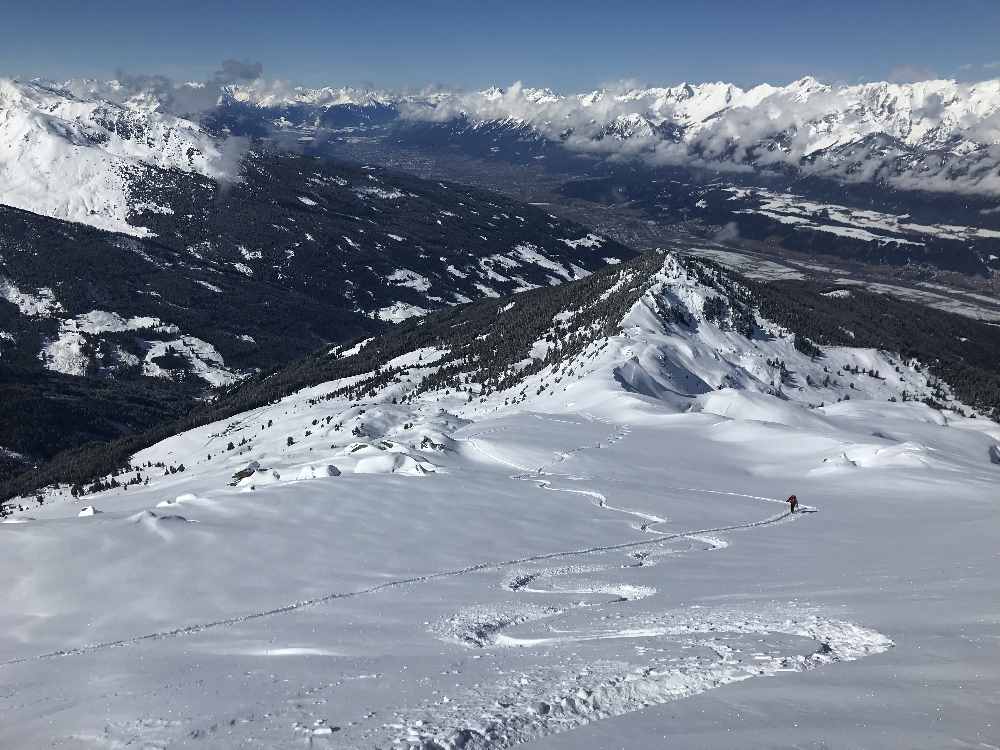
[[684, 333], [75, 151], [358, 247], [518, 519], [922, 158], [204, 211], [937, 135], [218, 281], [929, 114], [108, 154], [78, 159]]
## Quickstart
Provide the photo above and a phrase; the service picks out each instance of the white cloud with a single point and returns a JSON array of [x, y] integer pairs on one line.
[[818, 128]]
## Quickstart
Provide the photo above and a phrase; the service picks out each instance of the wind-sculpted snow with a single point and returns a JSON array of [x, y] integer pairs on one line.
[[543, 700], [682, 652]]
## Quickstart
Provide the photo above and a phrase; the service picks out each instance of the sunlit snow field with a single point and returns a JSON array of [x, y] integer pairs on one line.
[[365, 608], [607, 563]]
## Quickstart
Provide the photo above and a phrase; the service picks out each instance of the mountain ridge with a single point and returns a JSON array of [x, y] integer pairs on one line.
[[299, 254], [681, 332]]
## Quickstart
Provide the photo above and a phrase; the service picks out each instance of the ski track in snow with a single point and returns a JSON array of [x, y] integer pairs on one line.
[[536, 703], [548, 699], [484, 627], [474, 568], [698, 650], [648, 520]]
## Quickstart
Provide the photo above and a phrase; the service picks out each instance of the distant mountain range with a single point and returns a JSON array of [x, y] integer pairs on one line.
[[933, 135], [93, 152], [938, 135]]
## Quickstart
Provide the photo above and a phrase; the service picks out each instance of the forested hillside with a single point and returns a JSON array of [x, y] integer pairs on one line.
[[243, 277], [494, 344]]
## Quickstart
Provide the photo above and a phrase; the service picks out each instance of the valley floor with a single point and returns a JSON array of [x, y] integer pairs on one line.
[[617, 576]]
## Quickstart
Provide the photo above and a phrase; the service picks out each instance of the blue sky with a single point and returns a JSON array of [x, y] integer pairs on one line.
[[566, 45]]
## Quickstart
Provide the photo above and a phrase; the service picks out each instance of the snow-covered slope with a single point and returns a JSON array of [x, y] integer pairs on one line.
[[300, 253], [244, 277], [474, 540], [675, 333], [76, 159], [672, 352]]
